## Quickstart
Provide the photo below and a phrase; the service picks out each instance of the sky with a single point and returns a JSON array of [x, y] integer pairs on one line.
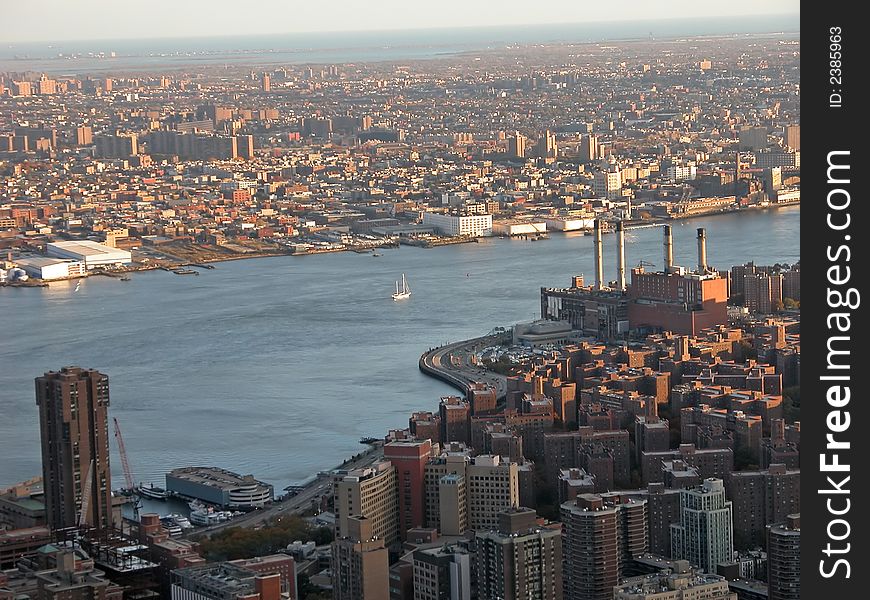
[[62, 20]]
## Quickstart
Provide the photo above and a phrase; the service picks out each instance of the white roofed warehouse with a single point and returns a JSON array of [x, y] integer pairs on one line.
[[92, 254]]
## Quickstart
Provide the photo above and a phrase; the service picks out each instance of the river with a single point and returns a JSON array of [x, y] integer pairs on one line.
[[277, 366]]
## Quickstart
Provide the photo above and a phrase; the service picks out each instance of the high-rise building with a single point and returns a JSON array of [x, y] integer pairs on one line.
[[454, 413], [704, 536], [117, 146], [608, 184], [447, 498], [360, 563], [520, 559], [492, 487], [482, 398], [762, 292], [46, 86], [517, 145], [679, 583], [762, 498], [793, 137], [589, 148], [267, 83], [245, 146], [370, 493], [409, 457], [601, 536], [442, 573], [753, 138], [74, 427], [784, 559], [84, 136]]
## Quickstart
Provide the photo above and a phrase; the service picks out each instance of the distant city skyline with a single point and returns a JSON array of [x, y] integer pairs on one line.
[[105, 20]]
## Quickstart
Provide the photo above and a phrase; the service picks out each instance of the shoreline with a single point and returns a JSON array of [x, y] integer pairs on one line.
[[445, 242]]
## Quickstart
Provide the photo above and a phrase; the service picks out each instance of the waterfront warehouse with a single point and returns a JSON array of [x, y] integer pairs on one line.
[[219, 487], [43, 267], [92, 254]]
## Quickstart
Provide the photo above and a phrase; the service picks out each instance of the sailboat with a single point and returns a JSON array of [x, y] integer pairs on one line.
[[404, 293]]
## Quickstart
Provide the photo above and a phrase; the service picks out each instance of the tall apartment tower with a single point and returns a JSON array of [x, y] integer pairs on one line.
[[410, 458], [517, 145], [784, 559], [360, 564], [793, 137], [601, 536], [521, 559], [74, 427], [762, 498], [84, 136], [492, 487], [370, 493], [705, 535]]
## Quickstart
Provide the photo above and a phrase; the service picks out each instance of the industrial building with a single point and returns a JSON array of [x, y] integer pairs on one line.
[[219, 486], [92, 254], [47, 268], [474, 225]]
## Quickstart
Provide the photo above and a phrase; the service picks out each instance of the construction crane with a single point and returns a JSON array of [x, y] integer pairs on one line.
[[644, 263], [86, 495], [128, 474]]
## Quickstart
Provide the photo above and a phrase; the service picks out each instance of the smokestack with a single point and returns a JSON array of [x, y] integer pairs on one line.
[[620, 256], [669, 249], [702, 250], [599, 265]]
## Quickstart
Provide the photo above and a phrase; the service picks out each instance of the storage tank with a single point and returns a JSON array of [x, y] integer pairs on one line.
[[16, 274]]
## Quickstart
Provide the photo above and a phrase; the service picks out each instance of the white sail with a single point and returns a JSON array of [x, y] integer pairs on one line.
[[405, 292]]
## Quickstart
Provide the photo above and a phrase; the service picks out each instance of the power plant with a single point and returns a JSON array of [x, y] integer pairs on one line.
[[674, 299]]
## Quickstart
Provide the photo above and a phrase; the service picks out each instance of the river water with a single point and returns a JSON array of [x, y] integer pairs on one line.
[[277, 366]]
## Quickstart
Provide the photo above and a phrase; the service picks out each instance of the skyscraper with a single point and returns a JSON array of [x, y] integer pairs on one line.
[[74, 427], [784, 559], [521, 559], [705, 534], [601, 536]]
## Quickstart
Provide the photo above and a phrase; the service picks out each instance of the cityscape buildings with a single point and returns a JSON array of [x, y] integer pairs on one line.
[[640, 440]]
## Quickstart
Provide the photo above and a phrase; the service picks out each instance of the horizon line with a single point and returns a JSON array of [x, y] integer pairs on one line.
[[31, 41]]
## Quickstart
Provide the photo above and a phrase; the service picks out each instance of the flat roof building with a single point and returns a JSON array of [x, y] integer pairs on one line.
[[219, 486], [44, 267], [92, 254]]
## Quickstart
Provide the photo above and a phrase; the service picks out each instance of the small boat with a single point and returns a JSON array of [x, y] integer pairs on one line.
[[152, 492], [78, 286], [125, 278], [405, 292], [185, 272], [376, 254]]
